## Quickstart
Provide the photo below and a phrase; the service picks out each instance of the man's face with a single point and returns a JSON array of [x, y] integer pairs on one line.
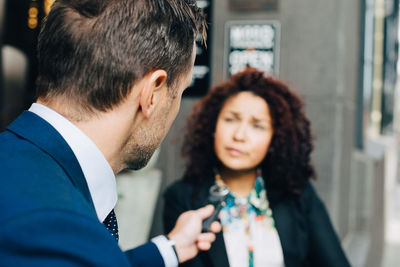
[[146, 138]]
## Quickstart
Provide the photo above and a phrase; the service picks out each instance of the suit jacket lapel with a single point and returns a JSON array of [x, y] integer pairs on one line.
[[217, 253], [31, 127]]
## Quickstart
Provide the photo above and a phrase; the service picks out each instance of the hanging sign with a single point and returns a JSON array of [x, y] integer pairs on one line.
[[254, 44]]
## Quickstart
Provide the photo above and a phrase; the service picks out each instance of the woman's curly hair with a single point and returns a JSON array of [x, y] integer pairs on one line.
[[287, 165]]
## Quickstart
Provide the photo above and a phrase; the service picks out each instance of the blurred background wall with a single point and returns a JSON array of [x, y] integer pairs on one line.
[[338, 55], [341, 56]]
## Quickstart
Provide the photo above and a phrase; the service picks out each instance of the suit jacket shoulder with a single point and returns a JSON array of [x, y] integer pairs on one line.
[[48, 218], [34, 176]]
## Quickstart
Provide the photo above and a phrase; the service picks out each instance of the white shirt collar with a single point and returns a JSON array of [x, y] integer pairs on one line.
[[96, 169]]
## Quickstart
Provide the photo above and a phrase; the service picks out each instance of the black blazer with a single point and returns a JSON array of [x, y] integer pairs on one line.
[[303, 225]]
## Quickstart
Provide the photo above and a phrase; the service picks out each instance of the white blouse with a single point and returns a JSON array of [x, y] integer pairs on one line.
[[249, 232]]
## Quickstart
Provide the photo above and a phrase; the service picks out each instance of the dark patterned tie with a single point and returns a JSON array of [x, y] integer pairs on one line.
[[111, 223]]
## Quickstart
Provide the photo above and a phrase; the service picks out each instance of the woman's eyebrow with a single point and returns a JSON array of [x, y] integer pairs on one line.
[[234, 113], [258, 119], [253, 118]]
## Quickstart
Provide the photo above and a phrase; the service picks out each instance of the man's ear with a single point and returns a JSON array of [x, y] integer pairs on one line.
[[152, 91]]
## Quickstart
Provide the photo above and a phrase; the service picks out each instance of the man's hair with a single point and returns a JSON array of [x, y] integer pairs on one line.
[[93, 51]]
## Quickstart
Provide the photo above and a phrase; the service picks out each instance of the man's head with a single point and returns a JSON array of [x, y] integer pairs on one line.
[[117, 68], [159, 111], [92, 52]]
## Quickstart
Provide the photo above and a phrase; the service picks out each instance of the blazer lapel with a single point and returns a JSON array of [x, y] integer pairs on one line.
[[284, 215], [217, 253], [31, 127]]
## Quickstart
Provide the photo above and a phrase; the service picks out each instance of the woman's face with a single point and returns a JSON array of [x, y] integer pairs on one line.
[[243, 132]]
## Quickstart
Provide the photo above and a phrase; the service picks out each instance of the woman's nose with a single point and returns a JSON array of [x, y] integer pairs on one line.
[[240, 133]]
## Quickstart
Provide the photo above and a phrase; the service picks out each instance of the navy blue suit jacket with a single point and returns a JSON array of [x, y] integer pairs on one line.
[[47, 217]]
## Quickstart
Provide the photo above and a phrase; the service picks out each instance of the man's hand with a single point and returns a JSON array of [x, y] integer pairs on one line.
[[187, 233]]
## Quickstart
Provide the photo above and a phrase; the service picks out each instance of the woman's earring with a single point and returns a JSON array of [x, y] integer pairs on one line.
[[259, 172]]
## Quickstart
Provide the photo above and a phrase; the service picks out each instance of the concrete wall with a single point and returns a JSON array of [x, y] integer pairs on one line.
[[319, 55], [370, 170]]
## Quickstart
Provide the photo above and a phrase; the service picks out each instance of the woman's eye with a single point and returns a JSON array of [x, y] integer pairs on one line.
[[258, 126], [229, 119]]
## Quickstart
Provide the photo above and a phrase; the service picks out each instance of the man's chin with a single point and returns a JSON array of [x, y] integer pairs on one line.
[[137, 164], [141, 159]]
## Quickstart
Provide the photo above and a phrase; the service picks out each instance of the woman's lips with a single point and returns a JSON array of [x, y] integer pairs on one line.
[[234, 152]]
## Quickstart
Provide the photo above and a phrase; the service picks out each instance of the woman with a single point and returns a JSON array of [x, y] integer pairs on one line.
[[250, 136]]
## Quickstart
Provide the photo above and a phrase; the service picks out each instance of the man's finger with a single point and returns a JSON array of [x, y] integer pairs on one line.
[[206, 237], [203, 245], [205, 212], [215, 227]]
